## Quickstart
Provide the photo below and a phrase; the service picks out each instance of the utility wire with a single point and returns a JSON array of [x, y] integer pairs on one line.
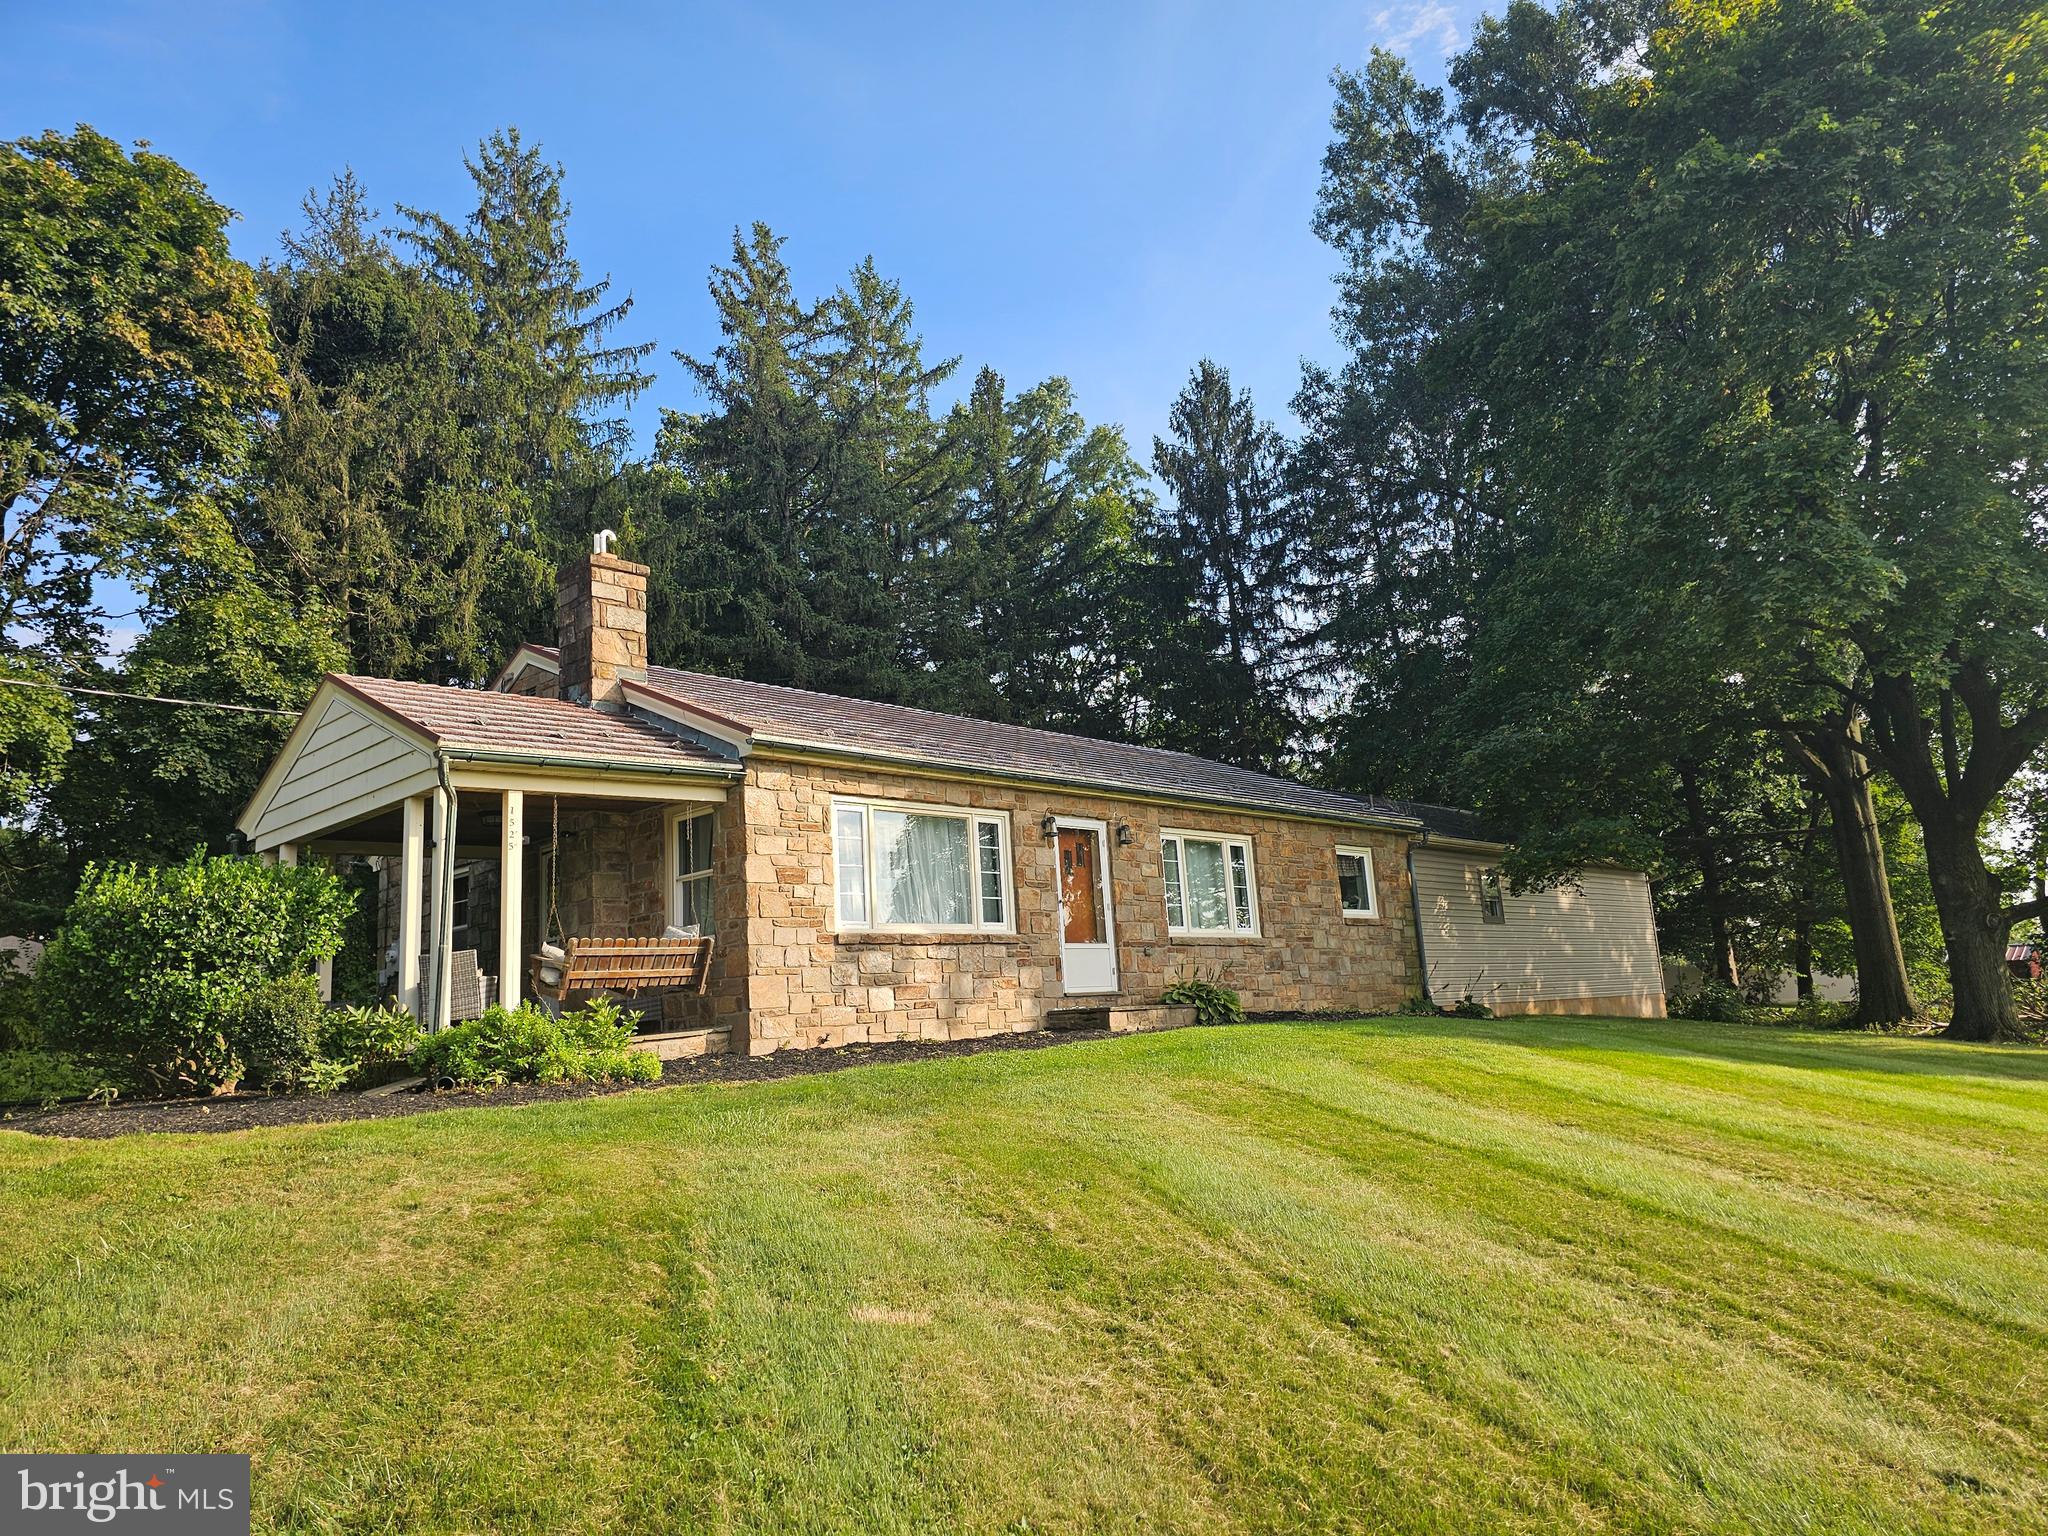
[[146, 698]]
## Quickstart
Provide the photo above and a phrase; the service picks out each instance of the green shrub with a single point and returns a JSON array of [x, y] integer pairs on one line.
[[1213, 1002], [1715, 1002], [525, 1045], [154, 963], [322, 1075], [1467, 1007], [49, 1077], [275, 1032], [369, 1045], [18, 1028]]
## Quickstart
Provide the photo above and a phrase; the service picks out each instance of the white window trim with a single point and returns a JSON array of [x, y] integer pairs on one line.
[[671, 824], [1372, 883], [1183, 836], [974, 816], [1501, 885]]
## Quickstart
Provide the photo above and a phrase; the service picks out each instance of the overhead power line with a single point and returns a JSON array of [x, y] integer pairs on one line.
[[146, 698]]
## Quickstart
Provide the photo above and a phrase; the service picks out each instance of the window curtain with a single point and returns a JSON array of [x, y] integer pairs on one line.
[[921, 869], [1208, 894]]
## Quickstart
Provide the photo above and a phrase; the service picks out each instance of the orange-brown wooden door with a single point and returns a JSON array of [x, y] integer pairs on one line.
[[1080, 886], [1087, 950]]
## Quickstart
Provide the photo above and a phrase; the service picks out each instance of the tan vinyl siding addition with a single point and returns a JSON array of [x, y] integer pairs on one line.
[[1589, 949]]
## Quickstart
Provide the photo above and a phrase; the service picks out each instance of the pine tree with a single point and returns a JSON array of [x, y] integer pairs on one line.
[[1222, 674], [364, 496], [1038, 623], [807, 504], [543, 393]]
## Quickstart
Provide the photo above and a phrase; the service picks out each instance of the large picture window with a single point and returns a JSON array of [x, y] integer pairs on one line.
[[690, 907], [906, 867], [1210, 885]]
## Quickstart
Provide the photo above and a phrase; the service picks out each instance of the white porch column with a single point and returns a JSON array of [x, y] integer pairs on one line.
[[411, 879], [511, 867], [440, 919]]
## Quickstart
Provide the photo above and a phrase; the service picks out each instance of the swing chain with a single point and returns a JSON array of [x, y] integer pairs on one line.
[[554, 923]]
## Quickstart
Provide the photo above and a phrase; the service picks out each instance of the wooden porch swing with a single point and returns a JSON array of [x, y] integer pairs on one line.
[[568, 969]]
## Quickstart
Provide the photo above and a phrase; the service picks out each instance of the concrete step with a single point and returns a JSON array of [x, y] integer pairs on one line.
[[1122, 1021], [675, 1044]]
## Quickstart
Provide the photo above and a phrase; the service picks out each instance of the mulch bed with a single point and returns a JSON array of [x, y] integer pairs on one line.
[[241, 1111]]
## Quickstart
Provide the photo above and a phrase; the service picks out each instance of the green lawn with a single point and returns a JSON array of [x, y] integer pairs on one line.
[[1394, 1275]]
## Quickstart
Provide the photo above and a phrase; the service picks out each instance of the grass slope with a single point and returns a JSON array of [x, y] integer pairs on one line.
[[1397, 1275]]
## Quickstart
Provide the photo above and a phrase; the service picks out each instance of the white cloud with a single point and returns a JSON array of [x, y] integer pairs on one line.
[[1404, 27]]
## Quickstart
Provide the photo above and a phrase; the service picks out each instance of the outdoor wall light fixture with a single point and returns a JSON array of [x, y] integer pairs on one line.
[[1050, 826], [1123, 834]]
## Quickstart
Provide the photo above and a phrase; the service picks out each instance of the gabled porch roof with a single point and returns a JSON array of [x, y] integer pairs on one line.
[[376, 766], [365, 744]]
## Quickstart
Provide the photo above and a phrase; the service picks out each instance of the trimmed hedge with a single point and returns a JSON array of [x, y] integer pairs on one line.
[[158, 968]]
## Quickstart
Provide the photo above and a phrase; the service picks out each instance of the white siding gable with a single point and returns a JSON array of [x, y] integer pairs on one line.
[[345, 762]]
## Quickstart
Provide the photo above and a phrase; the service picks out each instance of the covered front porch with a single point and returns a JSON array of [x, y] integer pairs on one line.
[[484, 855]]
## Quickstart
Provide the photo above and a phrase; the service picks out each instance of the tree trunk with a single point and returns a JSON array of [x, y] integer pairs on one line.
[[1884, 992], [1973, 928], [1802, 958], [1711, 893], [1950, 803]]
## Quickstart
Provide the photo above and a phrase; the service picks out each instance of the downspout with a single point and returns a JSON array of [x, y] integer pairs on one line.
[[1415, 906], [444, 899]]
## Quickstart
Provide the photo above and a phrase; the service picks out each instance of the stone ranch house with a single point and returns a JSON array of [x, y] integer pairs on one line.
[[849, 871]]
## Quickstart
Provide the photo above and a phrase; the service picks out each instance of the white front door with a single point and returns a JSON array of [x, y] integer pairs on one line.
[[1087, 925]]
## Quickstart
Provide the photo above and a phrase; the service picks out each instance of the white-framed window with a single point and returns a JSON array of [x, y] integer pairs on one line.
[[1493, 907], [689, 862], [1355, 887], [1211, 885], [920, 868], [459, 910]]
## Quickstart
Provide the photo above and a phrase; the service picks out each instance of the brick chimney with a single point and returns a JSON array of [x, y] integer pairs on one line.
[[601, 626]]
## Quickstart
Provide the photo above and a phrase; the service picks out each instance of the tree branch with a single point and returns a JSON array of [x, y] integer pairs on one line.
[[2019, 912]]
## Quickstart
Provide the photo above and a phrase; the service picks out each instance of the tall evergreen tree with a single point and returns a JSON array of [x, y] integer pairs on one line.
[[809, 503], [1222, 674], [543, 392], [1407, 522], [1037, 620], [365, 496]]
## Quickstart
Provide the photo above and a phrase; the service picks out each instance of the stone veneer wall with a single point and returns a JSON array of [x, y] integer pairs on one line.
[[614, 884], [810, 987]]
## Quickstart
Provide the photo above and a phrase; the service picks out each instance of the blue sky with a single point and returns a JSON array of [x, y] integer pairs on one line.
[[1107, 192]]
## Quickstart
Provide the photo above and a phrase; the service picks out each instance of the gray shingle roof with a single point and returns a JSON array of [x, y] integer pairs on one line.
[[793, 716], [1450, 821], [479, 720]]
